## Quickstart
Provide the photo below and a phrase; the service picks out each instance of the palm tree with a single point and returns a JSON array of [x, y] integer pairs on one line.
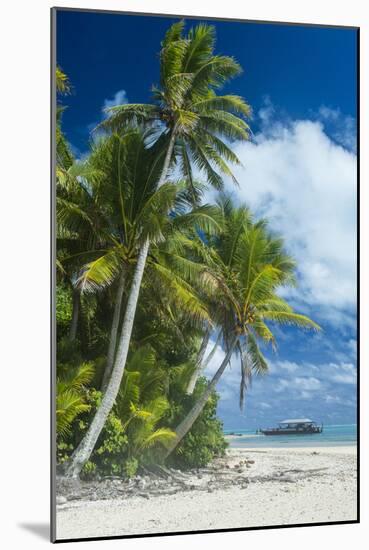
[[76, 214], [134, 208], [250, 267], [234, 221], [191, 120], [130, 209]]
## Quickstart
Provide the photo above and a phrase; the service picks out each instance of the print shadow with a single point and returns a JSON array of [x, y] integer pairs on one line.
[[42, 530]]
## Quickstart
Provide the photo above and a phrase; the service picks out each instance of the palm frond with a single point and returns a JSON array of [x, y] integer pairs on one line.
[[70, 398], [128, 114], [100, 273], [62, 82], [231, 103], [227, 124], [71, 217], [204, 218], [262, 286], [183, 294], [69, 405], [200, 159], [161, 435], [257, 361], [292, 319], [82, 376]]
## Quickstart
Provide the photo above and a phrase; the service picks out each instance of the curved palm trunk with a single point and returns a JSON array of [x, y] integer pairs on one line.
[[184, 427], [203, 364], [86, 446], [199, 360], [214, 349], [75, 316], [114, 332]]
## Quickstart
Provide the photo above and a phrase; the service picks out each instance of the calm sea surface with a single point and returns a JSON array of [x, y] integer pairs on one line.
[[332, 436]]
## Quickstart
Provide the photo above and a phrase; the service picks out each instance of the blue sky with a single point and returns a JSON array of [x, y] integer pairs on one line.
[[299, 171]]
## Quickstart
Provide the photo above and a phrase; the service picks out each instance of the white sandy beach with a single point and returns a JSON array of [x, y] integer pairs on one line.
[[278, 487]]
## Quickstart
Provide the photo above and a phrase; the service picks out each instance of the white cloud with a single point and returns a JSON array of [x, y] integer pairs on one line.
[[336, 400], [298, 383], [287, 379], [332, 399], [308, 384], [119, 98], [352, 345], [267, 112], [305, 184], [216, 360], [344, 127], [305, 395], [289, 366], [309, 390], [346, 373]]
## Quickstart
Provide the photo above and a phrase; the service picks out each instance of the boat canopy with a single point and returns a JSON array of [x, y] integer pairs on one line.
[[297, 421]]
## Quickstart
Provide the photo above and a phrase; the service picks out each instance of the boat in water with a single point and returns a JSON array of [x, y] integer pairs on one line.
[[296, 426]]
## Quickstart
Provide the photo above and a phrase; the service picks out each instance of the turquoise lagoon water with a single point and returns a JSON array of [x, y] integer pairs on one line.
[[332, 436]]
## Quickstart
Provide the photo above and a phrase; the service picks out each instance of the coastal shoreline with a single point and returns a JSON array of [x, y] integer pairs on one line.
[[248, 488], [333, 449]]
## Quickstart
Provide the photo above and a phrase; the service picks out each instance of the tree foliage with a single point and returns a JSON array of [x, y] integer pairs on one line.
[[211, 268]]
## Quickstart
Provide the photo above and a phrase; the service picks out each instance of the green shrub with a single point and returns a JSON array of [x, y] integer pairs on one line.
[[131, 467], [89, 470], [109, 455], [205, 440], [63, 451], [64, 306], [111, 448]]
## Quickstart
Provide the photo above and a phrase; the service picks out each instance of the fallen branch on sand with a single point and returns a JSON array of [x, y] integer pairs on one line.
[[159, 480]]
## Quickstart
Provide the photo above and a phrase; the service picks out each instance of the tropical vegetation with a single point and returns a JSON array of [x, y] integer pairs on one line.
[[149, 274]]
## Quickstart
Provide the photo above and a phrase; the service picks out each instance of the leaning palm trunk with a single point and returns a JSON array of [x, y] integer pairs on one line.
[[201, 366], [199, 360], [85, 448], [114, 332], [75, 315], [184, 427], [212, 352], [83, 452]]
